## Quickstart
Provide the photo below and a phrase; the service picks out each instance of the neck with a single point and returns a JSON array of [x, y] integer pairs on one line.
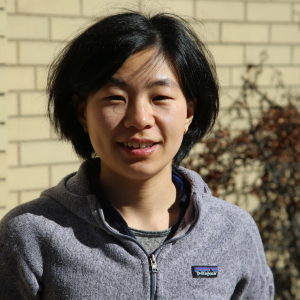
[[148, 204]]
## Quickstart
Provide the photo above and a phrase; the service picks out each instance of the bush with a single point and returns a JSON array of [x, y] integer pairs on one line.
[[270, 149]]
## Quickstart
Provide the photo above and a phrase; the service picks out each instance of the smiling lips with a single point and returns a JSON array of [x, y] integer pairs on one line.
[[138, 145], [139, 148]]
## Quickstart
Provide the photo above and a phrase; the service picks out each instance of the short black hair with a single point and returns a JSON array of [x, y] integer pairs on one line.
[[92, 58]]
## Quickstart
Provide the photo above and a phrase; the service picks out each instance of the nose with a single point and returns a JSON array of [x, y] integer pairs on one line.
[[139, 114]]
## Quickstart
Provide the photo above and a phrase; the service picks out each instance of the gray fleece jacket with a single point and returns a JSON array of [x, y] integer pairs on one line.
[[61, 246]]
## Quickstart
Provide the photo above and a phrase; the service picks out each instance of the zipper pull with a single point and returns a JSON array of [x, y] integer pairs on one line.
[[154, 267]]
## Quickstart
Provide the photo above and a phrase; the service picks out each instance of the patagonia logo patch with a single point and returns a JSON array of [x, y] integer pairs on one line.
[[205, 271]]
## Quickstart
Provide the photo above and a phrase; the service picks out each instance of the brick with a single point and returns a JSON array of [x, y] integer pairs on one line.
[[11, 6], [12, 104], [41, 78], [20, 78], [3, 74], [296, 55], [28, 27], [3, 52], [22, 129], [12, 200], [12, 154], [283, 0], [3, 139], [290, 76], [32, 104], [29, 195], [3, 23], [227, 54], [296, 13], [275, 54], [47, 152], [224, 75], [3, 164], [267, 12], [3, 108], [60, 171], [233, 120], [220, 10], [227, 96], [11, 52], [237, 74], [96, 7], [38, 52], [28, 178], [49, 7], [180, 7], [209, 32], [278, 96], [244, 33], [3, 193], [228, 119], [67, 28], [285, 34]]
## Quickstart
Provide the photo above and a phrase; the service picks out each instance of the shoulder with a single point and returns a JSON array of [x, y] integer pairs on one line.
[[235, 223], [222, 210], [37, 216], [237, 216]]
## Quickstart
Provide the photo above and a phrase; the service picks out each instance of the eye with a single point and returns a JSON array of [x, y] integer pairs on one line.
[[115, 97], [160, 97]]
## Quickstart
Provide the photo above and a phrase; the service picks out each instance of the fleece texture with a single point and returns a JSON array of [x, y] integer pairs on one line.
[[60, 246]]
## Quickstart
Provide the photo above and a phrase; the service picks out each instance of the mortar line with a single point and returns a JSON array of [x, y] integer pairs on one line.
[[49, 28], [81, 7], [49, 174], [19, 197]]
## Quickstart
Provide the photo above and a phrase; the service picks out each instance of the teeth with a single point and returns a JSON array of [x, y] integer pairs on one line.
[[137, 145]]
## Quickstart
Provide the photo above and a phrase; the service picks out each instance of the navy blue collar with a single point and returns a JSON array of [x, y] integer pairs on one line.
[[115, 219]]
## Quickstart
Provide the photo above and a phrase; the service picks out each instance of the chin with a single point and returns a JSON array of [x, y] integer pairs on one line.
[[143, 170]]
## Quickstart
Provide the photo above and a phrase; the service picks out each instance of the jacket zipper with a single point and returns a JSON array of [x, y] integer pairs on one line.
[[153, 263], [154, 270]]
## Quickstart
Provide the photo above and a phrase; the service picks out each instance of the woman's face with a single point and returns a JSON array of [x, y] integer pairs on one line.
[[136, 121]]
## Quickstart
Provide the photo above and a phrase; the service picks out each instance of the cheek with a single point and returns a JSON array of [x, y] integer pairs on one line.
[[173, 122], [102, 119], [102, 124]]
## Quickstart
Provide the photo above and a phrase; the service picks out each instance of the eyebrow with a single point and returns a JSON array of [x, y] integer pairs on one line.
[[161, 82]]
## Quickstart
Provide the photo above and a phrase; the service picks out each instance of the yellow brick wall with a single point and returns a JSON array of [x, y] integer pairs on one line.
[[3, 113], [32, 31]]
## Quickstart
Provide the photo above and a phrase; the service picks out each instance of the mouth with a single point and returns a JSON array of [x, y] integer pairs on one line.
[[134, 145], [143, 148]]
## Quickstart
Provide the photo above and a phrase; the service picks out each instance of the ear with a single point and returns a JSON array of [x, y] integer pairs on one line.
[[81, 115], [190, 112]]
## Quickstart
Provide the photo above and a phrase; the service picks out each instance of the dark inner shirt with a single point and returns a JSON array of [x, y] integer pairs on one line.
[[116, 220]]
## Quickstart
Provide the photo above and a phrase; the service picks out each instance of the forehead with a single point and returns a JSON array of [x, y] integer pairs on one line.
[[145, 67]]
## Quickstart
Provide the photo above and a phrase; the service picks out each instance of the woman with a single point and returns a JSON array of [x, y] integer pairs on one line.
[[133, 94]]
